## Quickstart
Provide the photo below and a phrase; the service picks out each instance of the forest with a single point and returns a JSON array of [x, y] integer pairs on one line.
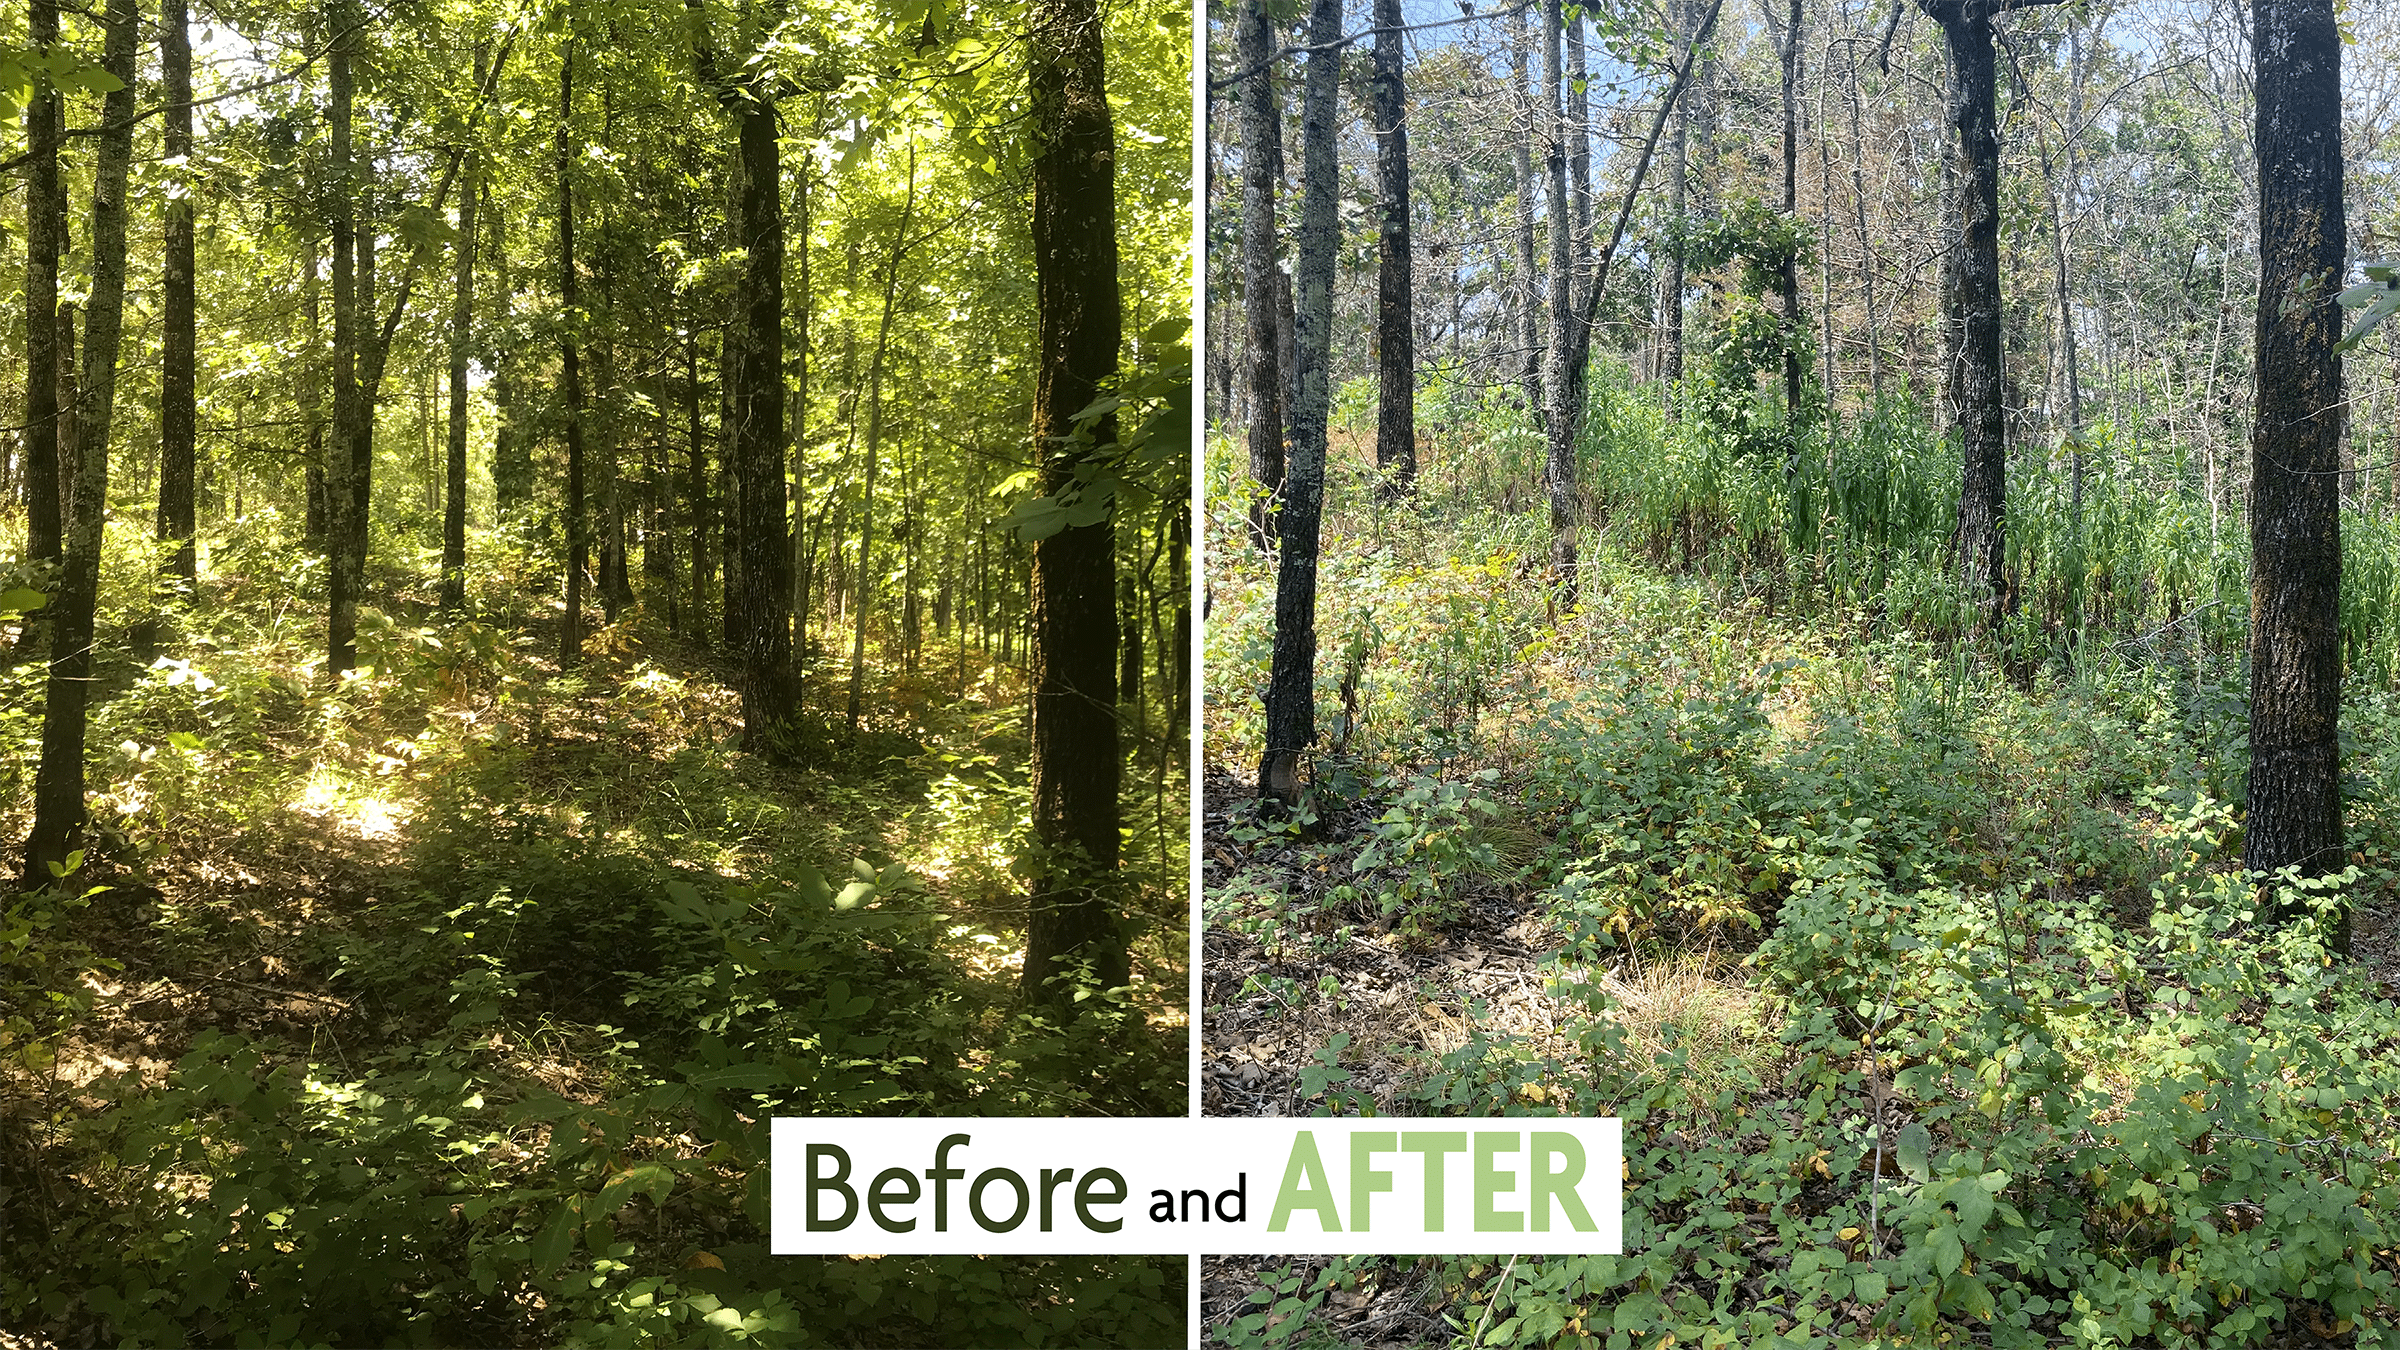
[[574, 578], [1822, 578]]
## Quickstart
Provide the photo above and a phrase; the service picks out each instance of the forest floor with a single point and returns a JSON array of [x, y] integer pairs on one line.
[[448, 1007], [1792, 893]]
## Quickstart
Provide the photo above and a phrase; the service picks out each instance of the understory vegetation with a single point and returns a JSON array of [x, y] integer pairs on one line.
[[449, 1005], [1920, 965]]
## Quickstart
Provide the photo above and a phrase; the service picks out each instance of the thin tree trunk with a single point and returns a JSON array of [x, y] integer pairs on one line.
[[178, 438], [866, 513], [58, 805], [1291, 682], [1670, 272], [1561, 420], [1262, 278], [1529, 331], [2295, 806], [45, 204], [462, 318], [766, 550], [570, 631], [341, 496], [1395, 307]]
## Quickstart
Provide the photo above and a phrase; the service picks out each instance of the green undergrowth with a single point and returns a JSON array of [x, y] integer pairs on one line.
[[1925, 978], [450, 1006]]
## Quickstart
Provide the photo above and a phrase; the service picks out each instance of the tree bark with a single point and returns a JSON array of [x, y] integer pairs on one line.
[[2295, 806], [1974, 369], [462, 319], [341, 496], [177, 427], [1529, 331], [1262, 277], [45, 204], [1562, 419], [1395, 305], [570, 632], [1670, 272], [58, 805], [1291, 682], [866, 509], [1076, 915]]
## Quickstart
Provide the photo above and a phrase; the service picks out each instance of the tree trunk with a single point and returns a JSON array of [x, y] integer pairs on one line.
[[177, 429], [866, 510], [1262, 277], [1076, 915], [1788, 51], [45, 204], [766, 551], [1291, 683], [2295, 808], [1395, 306], [1974, 371], [462, 318], [1670, 271], [1529, 332], [1562, 419], [570, 631], [341, 496], [58, 806], [703, 520]]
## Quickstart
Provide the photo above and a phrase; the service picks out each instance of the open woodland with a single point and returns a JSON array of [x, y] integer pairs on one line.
[[1823, 578], [577, 577]]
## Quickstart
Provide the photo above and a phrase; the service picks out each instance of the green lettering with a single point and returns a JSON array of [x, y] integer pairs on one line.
[[1491, 1182], [1364, 1179], [1305, 1187], [1560, 1185], [1433, 1144]]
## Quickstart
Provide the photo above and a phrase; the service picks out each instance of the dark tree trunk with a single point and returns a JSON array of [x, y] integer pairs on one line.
[[45, 204], [1787, 50], [58, 806], [2295, 809], [1262, 277], [766, 550], [1529, 275], [309, 377], [1076, 914], [1395, 306], [178, 438], [703, 519], [1291, 681], [570, 631], [1563, 418], [341, 496], [1974, 370], [462, 319], [512, 449], [1670, 271]]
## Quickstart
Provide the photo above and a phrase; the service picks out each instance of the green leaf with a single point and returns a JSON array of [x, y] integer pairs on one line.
[[1912, 1148], [21, 600]]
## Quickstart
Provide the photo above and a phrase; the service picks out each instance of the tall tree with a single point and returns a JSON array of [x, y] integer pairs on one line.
[[58, 806], [1563, 416], [1263, 281], [177, 421], [1529, 272], [462, 321], [1973, 304], [2295, 807], [1076, 768], [1291, 680], [570, 631], [343, 572], [1395, 307], [45, 204]]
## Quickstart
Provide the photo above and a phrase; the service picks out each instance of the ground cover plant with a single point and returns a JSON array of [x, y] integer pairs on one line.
[[1930, 993], [450, 1006]]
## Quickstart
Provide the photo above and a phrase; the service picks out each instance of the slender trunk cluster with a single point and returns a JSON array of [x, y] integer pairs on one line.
[[58, 805]]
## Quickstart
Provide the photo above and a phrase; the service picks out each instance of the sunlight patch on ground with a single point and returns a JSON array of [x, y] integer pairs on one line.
[[326, 797]]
